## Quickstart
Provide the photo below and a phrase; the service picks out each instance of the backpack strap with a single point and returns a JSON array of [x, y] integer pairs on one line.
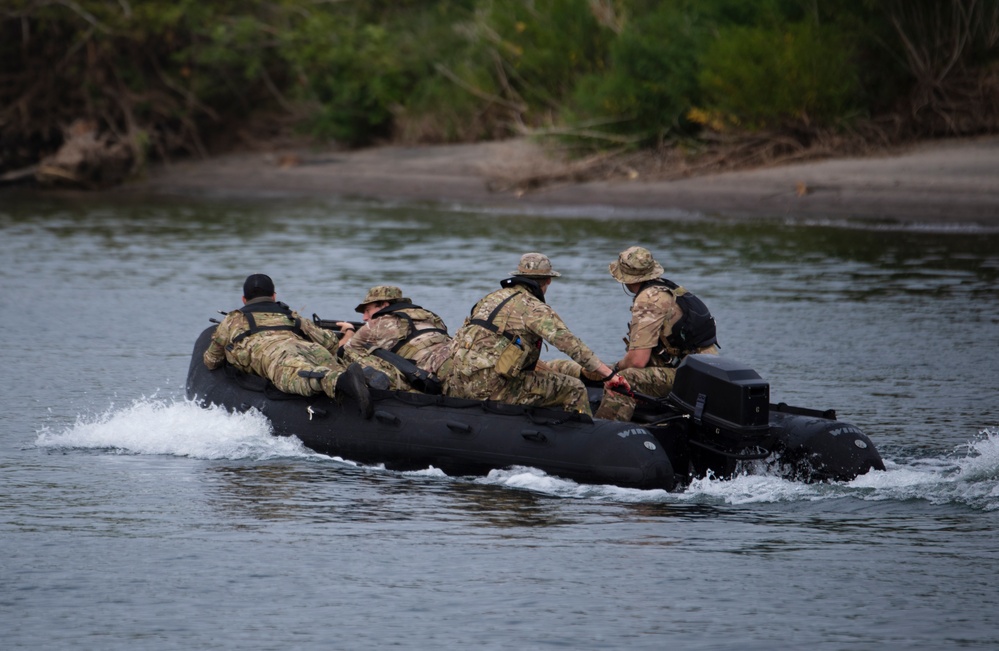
[[489, 323]]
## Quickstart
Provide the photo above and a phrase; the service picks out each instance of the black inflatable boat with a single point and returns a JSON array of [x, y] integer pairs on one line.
[[717, 416]]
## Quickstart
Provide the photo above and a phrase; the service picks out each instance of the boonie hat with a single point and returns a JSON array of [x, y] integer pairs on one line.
[[389, 293], [535, 264], [257, 285], [635, 265]]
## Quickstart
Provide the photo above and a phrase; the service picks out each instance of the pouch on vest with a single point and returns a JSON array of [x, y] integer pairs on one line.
[[511, 361], [239, 356]]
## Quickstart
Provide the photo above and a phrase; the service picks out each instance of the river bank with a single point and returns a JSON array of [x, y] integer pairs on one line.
[[949, 181]]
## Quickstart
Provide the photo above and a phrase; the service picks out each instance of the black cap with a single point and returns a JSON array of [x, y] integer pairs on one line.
[[258, 285]]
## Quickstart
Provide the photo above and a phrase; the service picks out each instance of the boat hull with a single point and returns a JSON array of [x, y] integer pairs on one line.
[[413, 431], [463, 437]]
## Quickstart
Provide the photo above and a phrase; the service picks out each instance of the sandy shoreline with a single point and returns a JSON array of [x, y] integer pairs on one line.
[[954, 181]]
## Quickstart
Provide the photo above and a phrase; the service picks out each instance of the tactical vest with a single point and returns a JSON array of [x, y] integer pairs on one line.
[[293, 324], [489, 323], [529, 359], [403, 346], [696, 327]]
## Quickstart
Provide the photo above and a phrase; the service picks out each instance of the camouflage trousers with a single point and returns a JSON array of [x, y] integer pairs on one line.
[[287, 379], [305, 356], [397, 382], [565, 367], [538, 388], [653, 380]]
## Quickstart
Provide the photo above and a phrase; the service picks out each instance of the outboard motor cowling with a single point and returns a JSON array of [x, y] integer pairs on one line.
[[728, 404]]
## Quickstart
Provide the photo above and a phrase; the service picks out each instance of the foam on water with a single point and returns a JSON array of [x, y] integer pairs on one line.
[[432, 472], [179, 428], [970, 476]]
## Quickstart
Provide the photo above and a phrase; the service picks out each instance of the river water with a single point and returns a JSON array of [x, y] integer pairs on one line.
[[131, 518]]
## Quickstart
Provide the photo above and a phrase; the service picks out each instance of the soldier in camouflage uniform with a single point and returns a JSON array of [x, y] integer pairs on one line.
[[394, 324], [494, 354], [266, 338], [660, 334]]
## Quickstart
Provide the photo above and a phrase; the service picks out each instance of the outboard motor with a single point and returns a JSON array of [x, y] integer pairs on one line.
[[729, 409]]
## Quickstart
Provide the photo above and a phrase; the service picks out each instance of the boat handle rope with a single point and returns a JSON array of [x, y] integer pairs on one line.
[[761, 452], [534, 435]]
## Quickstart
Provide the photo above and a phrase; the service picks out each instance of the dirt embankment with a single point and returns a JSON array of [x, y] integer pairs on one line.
[[952, 181]]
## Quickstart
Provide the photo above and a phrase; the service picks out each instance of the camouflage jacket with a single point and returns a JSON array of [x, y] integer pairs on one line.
[[523, 316], [654, 313], [387, 331], [258, 352]]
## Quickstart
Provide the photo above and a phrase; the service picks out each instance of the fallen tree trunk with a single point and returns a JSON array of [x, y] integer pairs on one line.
[[87, 159]]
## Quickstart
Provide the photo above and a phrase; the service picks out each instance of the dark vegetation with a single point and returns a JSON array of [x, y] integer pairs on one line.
[[90, 90]]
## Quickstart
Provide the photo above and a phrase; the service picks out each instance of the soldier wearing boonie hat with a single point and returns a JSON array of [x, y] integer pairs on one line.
[[381, 294], [535, 265], [494, 355], [268, 339], [635, 265], [667, 323], [393, 323]]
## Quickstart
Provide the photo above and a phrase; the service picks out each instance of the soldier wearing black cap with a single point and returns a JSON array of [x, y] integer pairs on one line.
[[266, 338], [257, 286]]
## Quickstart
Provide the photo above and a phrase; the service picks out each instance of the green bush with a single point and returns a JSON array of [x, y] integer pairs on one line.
[[365, 68], [167, 73], [352, 74], [546, 45], [760, 77], [515, 65], [651, 79], [653, 74], [438, 44]]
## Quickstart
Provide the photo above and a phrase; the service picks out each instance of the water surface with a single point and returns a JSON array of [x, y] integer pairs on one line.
[[133, 519]]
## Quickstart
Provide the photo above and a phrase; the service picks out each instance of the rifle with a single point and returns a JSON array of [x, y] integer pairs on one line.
[[216, 321], [418, 378], [331, 324]]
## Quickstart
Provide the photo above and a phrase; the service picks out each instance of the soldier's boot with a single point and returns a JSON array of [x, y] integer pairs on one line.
[[350, 383], [376, 379]]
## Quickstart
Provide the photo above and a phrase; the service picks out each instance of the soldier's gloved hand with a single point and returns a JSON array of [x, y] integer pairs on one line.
[[617, 381]]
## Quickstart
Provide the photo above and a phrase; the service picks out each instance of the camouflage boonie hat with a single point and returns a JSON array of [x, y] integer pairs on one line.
[[378, 293], [635, 265], [535, 264]]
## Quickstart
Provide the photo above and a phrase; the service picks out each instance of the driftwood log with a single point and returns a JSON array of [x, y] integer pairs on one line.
[[87, 159]]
